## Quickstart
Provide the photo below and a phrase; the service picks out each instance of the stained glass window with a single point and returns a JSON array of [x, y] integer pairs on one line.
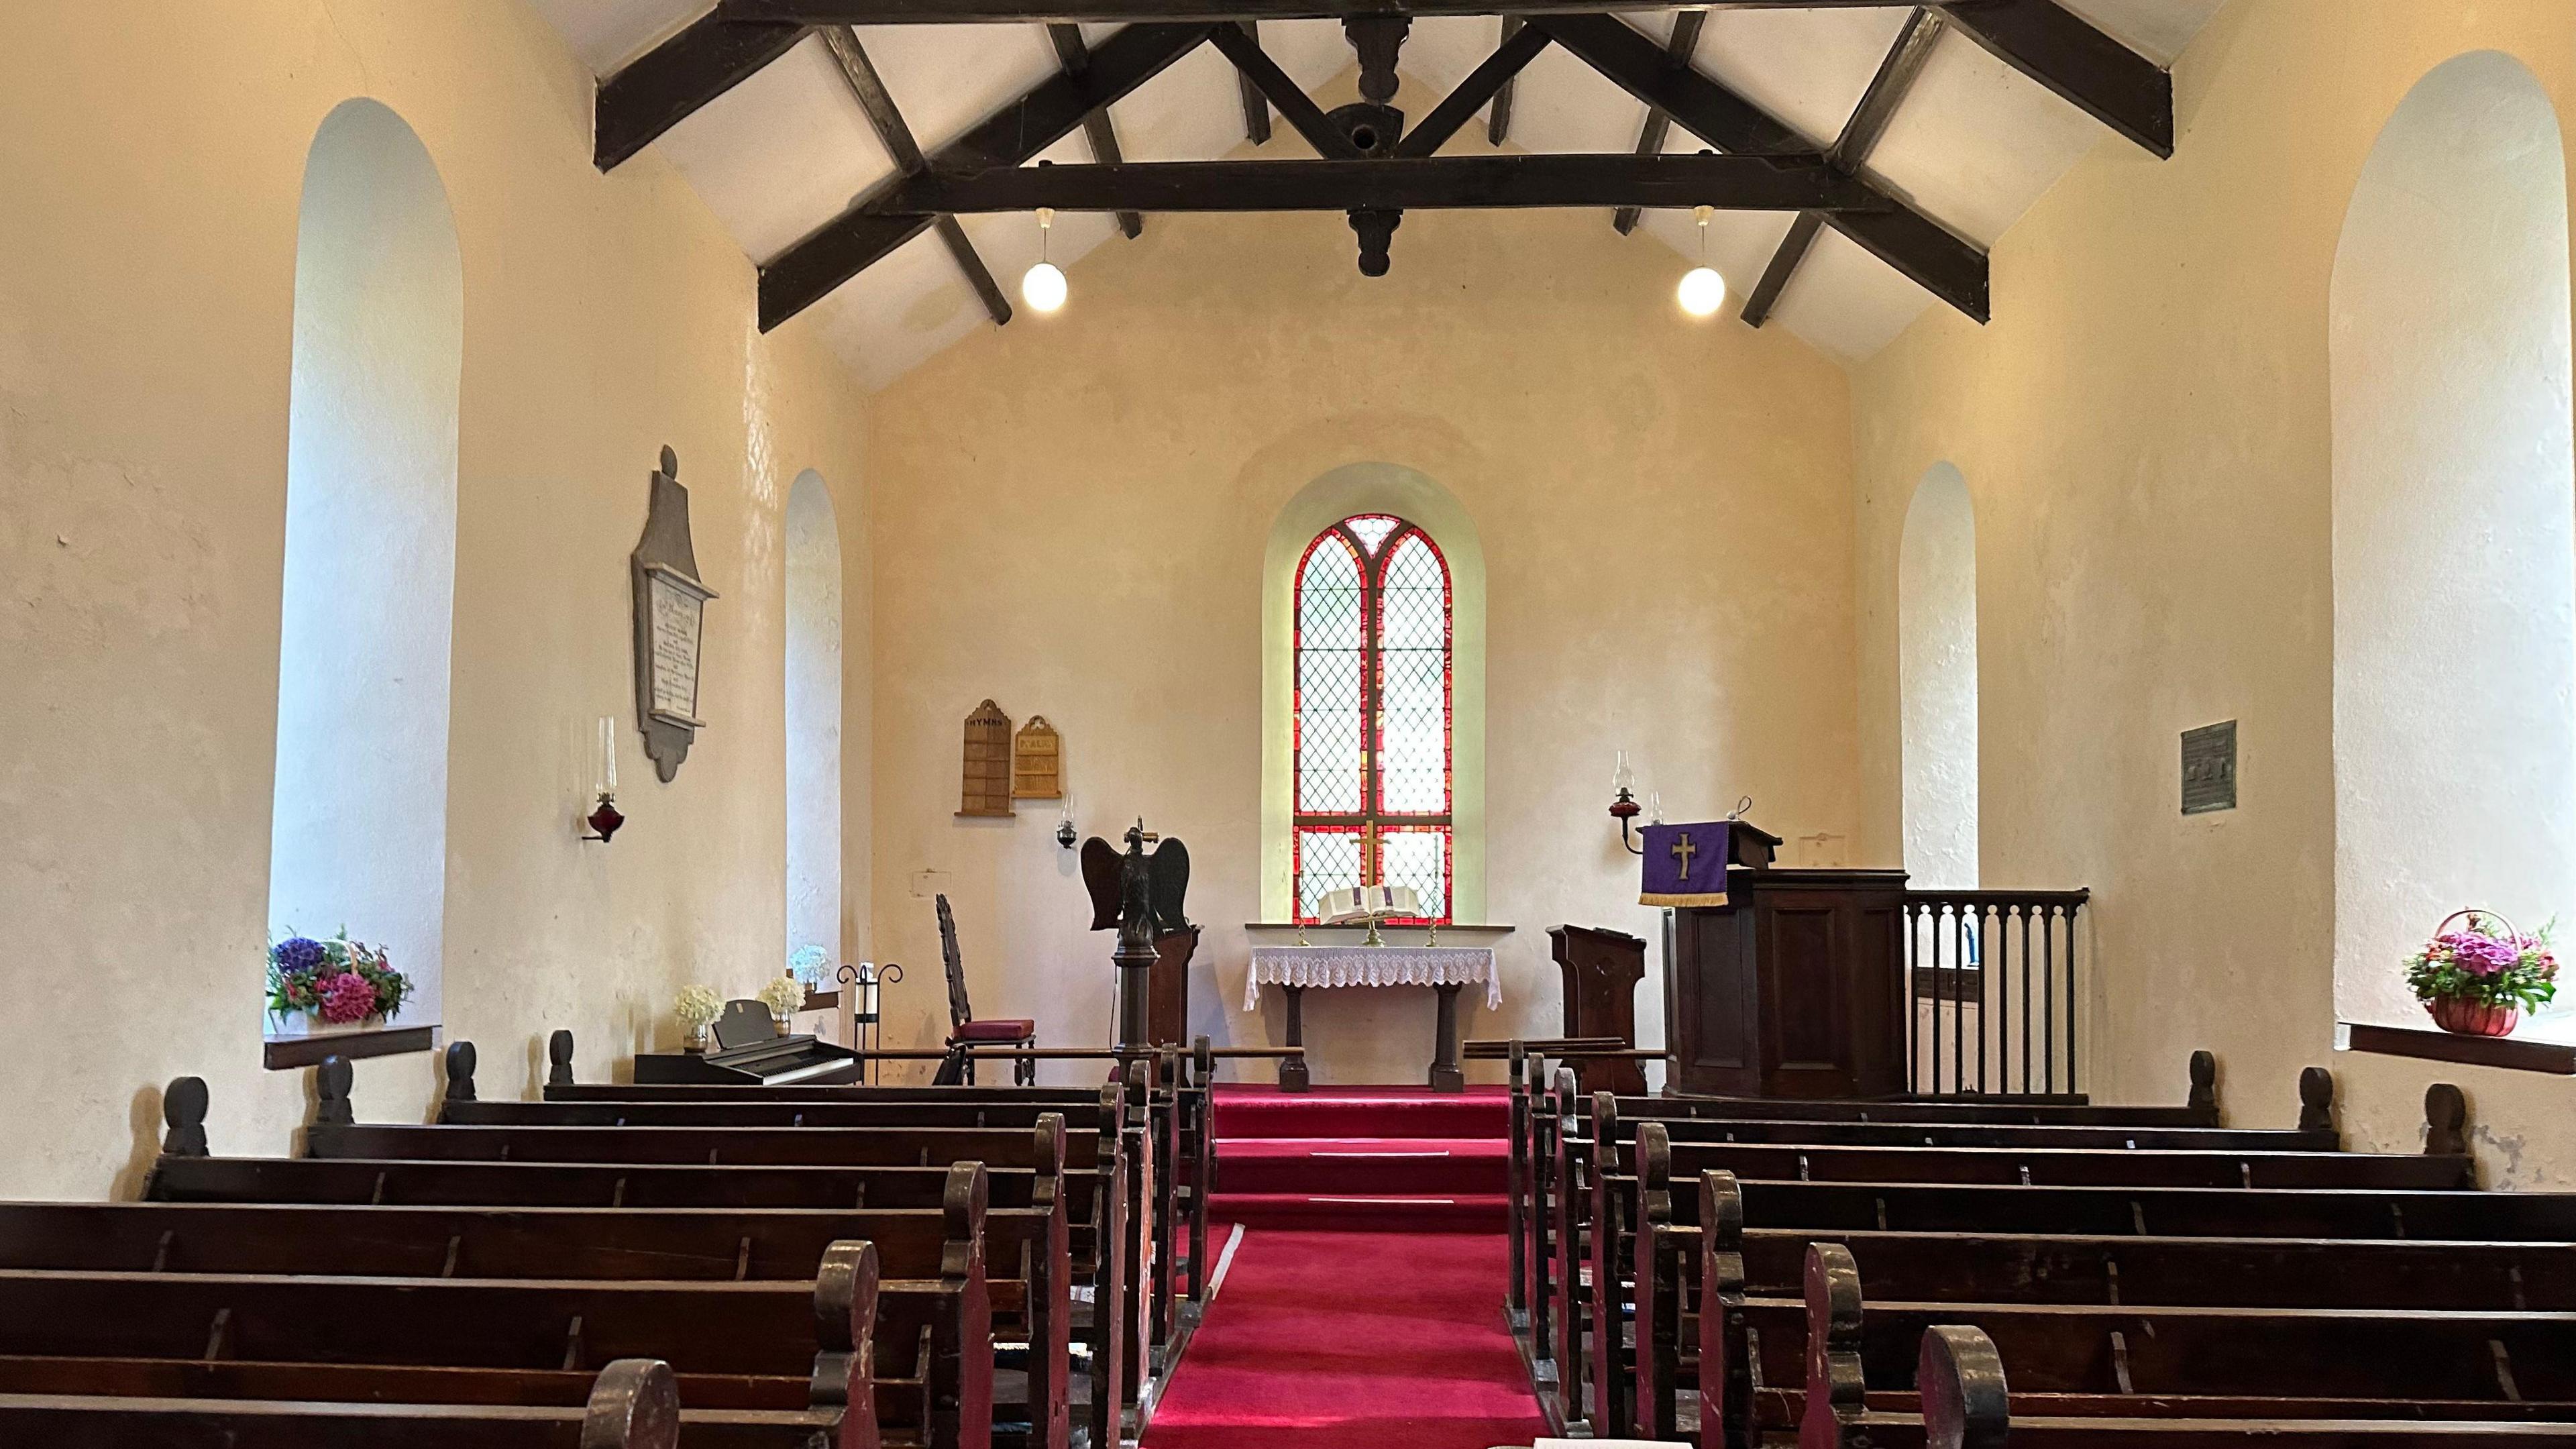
[[1372, 714]]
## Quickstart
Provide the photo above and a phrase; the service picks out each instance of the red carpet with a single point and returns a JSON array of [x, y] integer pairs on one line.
[[1362, 1158], [1360, 1339]]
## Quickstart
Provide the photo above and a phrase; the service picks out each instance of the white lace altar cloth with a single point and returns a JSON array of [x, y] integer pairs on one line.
[[1372, 966]]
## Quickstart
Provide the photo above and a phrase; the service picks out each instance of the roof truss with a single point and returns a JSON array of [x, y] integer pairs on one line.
[[734, 40]]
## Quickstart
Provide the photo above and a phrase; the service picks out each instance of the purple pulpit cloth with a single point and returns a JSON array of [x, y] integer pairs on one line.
[[1685, 865]]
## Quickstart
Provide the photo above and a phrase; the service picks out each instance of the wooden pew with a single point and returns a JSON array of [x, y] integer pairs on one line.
[[1583, 1191], [803, 1350], [1966, 1401], [1135, 1118], [2153, 1362], [945, 1367], [633, 1404], [1674, 1262], [1541, 1105]]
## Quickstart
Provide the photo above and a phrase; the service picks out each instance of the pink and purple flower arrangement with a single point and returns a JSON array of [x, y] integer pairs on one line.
[[339, 981]]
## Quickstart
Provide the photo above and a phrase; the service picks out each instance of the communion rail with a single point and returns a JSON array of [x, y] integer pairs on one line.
[[1995, 993]]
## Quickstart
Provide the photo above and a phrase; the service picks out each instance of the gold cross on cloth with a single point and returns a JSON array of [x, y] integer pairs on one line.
[[1683, 850]]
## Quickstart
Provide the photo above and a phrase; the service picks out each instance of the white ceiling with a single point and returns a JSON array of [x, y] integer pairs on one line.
[[1973, 145]]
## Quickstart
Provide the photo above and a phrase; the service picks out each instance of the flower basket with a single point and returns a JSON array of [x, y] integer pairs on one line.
[[331, 988], [2474, 1018], [2478, 979]]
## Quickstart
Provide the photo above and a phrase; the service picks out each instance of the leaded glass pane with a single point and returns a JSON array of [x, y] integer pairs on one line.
[[1418, 857], [1327, 860], [1413, 682], [1372, 530], [1329, 665]]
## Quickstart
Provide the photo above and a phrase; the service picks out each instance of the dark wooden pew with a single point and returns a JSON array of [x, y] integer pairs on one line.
[[1028, 1278], [1966, 1401], [633, 1404], [2143, 1361], [1579, 1192], [801, 1350], [181, 1176], [1543, 1106], [1143, 1123], [1671, 1264]]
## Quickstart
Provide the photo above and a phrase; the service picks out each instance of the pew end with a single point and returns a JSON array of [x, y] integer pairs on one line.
[[1961, 1379], [635, 1405]]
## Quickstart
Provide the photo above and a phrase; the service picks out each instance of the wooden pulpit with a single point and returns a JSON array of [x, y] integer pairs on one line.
[[1795, 987], [1601, 970]]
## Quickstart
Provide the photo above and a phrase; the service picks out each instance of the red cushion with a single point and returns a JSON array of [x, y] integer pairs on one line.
[[995, 1030]]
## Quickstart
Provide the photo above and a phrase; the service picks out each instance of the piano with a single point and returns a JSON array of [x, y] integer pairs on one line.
[[750, 1052]]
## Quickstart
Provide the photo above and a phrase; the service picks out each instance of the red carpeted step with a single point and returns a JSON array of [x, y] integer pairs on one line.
[[1247, 1111], [1363, 1165], [1361, 1212]]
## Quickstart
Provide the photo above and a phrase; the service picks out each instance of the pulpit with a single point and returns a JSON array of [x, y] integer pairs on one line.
[[1791, 985]]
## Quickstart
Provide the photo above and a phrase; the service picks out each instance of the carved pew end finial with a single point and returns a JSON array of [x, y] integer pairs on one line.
[[331, 1083], [183, 1111], [635, 1404], [2316, 1100], [1962, 1380], [2204, 1082], [460, 1073], [2446, 1121], [559, 1059]]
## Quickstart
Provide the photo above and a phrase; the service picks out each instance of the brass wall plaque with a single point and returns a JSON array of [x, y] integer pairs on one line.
[[2209, 768]]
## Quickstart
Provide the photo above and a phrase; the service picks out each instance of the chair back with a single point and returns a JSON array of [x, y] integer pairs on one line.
[[959, 1012]]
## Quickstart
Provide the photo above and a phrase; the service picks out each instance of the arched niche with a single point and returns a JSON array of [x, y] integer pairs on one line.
[[1936, 628], [1397, 491], [2454, 519], [813, 717], [358, 837]]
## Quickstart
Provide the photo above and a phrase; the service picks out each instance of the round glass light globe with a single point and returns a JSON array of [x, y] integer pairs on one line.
[[1043, 287], [1702, 291]]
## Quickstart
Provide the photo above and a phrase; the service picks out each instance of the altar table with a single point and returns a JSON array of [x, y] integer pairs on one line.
[[1445, 969]]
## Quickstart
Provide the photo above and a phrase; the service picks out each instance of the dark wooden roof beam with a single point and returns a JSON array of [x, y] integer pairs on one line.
[[1489, 81], [670, 82], [1941, 262], [1043, 115], [869, 89], [953, 12], [1498, 122], [1734, 183], [1075, 58], [1659, 124], [1256, 106], [1869, 119], [2097, 74], [1295, 107]]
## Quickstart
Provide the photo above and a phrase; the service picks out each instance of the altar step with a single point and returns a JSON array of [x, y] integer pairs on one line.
[[1366, 1158]]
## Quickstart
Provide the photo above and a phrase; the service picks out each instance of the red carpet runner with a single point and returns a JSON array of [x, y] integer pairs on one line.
[[1341, 1320]]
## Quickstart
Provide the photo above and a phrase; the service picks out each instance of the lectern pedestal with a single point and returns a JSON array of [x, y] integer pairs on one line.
[[1793, 988]]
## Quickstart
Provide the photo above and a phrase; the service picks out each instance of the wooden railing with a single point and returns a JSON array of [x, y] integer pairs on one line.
[[1995, 992]]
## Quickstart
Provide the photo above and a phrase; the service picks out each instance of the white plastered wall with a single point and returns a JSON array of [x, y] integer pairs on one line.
[[149, 189]]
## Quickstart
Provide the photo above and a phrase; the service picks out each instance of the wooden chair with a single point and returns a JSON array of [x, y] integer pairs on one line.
[[966, 1029]]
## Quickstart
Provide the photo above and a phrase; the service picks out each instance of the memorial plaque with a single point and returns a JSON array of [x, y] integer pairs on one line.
[[670, 623], [2209, 768]]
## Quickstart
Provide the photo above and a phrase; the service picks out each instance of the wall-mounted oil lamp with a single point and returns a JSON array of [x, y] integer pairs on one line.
[[1623, 802], [1065, 835], [604, 819]]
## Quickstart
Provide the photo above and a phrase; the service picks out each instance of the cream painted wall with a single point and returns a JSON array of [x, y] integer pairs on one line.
[[149, 174], [1070, 517], [2145, 430]]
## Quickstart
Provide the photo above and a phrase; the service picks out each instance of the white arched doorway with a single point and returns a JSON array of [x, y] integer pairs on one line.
[[2454, 514], [358, 837]]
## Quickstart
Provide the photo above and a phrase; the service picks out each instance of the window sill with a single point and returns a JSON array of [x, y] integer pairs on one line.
[[285, 1053], [2519, 1054]]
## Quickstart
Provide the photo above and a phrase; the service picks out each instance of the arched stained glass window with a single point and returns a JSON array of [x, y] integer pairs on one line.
[[1372, 743]]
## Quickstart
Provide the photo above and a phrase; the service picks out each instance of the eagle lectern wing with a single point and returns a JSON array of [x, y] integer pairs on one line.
[[1100, 877], [1171, 867]]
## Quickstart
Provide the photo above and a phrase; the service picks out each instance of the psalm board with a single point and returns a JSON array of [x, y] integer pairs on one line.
[[670, 623], [1037, 761]]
